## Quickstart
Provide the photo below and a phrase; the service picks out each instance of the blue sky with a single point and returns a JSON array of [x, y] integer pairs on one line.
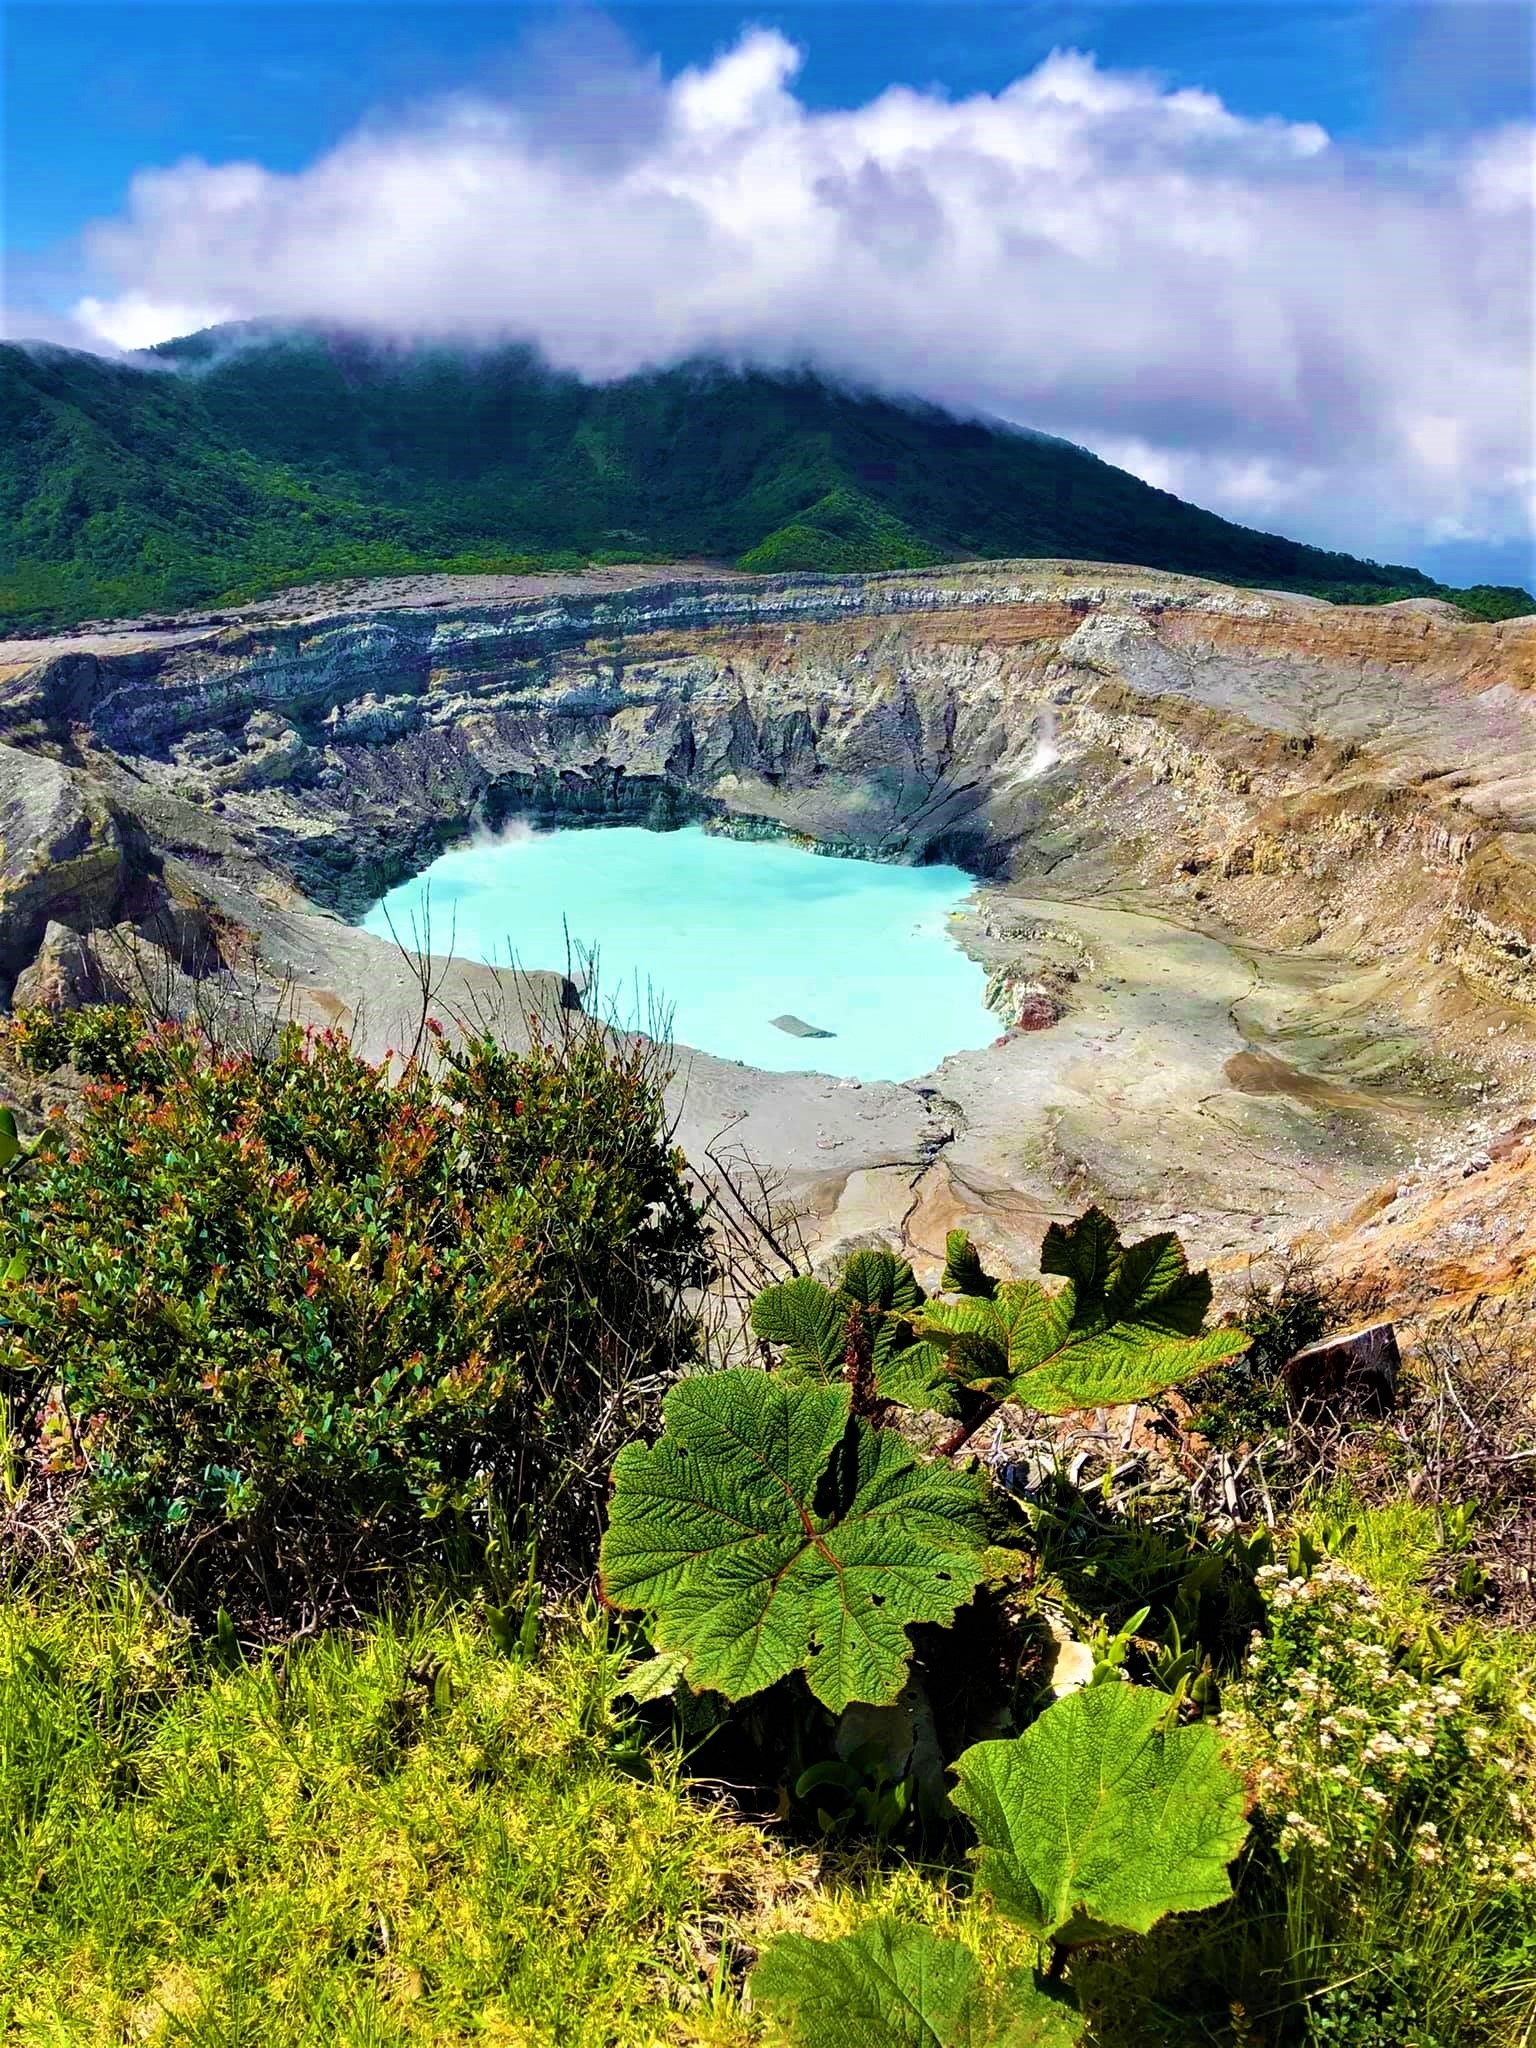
[[96, 94]]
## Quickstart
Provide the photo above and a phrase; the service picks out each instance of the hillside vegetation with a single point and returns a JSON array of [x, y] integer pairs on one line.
[[315, 1726], [245, 463]]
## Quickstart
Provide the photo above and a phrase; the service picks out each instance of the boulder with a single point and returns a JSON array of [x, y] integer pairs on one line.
[[61, 855], [1344, 1376], [66, 975], [1038, 1012]]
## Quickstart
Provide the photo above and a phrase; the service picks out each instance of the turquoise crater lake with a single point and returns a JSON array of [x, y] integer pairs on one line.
[[728, 933]]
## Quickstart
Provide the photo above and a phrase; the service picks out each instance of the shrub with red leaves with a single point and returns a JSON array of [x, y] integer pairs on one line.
[[302, 1323]]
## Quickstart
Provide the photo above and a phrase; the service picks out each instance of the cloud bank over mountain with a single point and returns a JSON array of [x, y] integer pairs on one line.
[[1291, 332]]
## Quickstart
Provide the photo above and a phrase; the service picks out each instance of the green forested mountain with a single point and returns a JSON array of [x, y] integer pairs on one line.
[[247, 461]]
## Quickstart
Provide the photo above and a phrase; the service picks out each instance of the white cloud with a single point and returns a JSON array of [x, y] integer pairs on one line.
[[134, 321], [1240, 309]]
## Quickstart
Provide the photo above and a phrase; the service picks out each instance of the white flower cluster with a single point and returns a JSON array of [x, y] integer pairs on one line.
[[1350, 1744]]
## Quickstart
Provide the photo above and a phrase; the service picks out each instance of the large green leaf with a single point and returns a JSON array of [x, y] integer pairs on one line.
[[1100, 1817], [879, 1294], [10, 1137], [806, 1320], [963, 1270], [767, 1532], [879, 1280], [915, 1376], [1148, 1282], [1126, 1326], [890, 1986], [995, 1343]]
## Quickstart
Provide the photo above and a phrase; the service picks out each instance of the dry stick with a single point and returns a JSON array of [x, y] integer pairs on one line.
[[418, 960], [1269, 1506], [755, 1211]]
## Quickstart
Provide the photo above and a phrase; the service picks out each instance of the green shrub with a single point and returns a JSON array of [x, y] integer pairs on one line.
[[1245, 1400], [299, 1321]]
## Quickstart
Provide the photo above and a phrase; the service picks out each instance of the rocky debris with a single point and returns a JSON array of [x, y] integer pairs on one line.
[[1450, 1244], [369, 720], [1028, 997], [267, 753], [276, 756], [1353, 1373], [1037, 1012], [1494, 914], [798, 1028]]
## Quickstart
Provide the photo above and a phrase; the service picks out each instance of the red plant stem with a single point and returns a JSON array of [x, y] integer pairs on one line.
[[963, 1435]]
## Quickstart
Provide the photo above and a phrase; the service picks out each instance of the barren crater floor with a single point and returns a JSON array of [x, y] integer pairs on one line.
[[1255, 902]]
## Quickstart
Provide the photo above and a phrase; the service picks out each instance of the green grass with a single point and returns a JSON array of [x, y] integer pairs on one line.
[[274, 460], [399, 1835], [399, 1838], [1394, 1544]]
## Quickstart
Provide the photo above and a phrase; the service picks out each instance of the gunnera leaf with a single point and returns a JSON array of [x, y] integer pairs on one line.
[[879, 1280], [1100, 1818], [768, 1532], [892, 1986], [656, 1678], [963, 1270], [1127, 1325], [915, 1376], [810, 1323], [806, 1320]]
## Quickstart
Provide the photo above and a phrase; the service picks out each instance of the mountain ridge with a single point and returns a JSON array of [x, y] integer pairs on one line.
[[253, 461]]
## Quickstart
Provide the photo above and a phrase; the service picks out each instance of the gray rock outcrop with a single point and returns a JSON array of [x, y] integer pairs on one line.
[[61, 855], [66, 975]]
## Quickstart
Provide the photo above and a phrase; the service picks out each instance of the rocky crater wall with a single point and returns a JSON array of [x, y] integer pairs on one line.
[[1314, 776]]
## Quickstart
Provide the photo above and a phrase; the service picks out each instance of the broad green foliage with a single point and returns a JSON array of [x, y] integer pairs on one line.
[[963, 1270], [769, 1531], [872, 1305], [1127, 1324], [308, 1318], [1100, 1818], [891, 1986], [297, 458], [12, 1150]]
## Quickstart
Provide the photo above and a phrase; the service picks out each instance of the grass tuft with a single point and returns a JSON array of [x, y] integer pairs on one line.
[[397, 1837]]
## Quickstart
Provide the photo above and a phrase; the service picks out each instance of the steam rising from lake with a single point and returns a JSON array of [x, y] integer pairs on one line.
[[727, 933]]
